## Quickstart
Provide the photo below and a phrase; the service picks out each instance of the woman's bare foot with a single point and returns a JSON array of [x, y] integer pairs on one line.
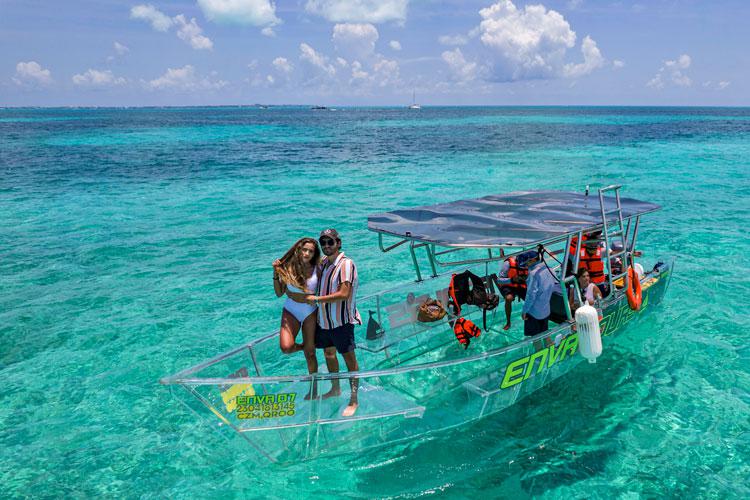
[[507, 326], [335, 391], [349, 410], [311, 395]]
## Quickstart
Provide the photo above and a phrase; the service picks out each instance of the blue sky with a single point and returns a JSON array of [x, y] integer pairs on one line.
[[368, 52]]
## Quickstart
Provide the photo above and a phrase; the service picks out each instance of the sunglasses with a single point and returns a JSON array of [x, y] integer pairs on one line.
[[327, 242]]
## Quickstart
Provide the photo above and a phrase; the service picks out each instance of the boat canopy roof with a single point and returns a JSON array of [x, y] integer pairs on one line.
[[519, 219]]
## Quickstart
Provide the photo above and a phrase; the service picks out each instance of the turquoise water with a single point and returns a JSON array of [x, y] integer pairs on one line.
[[137, 242]]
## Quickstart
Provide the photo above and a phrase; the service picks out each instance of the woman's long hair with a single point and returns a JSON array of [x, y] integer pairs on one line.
[[292, 269]]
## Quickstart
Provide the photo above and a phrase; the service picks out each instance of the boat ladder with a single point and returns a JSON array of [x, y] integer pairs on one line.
[[613, 228]]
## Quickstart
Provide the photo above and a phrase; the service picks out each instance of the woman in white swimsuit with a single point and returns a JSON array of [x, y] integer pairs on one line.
[[589, 290], [296, 272]]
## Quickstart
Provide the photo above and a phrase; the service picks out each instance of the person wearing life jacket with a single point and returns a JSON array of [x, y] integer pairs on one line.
[[512, 282], [574, 243], [591, 258], [572, 250]]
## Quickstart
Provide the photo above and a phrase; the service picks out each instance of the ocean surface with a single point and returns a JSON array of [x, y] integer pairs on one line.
[[137, 242]]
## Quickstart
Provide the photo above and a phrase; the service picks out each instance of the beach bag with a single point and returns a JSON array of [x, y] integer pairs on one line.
[[431, 310]]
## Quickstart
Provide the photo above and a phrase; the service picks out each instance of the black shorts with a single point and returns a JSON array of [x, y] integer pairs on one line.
[[342, 337], [533, 326], [519, 293]]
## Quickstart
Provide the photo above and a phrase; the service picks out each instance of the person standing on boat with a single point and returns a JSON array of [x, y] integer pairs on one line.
[[296, 273], [512, 281], [337, 313], [539, 287]]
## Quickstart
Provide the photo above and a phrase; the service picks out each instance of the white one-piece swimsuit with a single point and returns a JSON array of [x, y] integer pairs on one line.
[[301, 310]]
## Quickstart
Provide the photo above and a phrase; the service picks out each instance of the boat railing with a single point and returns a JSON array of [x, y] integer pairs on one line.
[[191, 375]]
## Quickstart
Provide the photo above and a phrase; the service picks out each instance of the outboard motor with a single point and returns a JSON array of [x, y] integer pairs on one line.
[[589, 333]]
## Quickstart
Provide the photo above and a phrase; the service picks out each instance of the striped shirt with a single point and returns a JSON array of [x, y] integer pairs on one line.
[[335, 314]]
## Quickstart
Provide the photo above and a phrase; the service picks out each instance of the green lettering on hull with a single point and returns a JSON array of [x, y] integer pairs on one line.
[[521, 369]]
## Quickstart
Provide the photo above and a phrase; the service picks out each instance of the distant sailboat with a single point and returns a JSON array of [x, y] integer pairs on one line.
[[414, 104]]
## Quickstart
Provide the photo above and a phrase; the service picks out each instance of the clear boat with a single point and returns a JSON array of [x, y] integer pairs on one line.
[[415, 378]]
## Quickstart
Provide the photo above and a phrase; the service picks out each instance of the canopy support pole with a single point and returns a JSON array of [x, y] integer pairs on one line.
[[564, 279], [633, 240], [388, 249], [414, 260]]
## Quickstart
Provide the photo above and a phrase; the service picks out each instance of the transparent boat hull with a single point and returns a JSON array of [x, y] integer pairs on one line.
[[417, 378]]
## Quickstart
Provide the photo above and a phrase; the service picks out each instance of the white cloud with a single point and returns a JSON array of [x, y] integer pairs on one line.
[[359, 11], [159, 21], [453, 40], [574, 4], [187, 31], [282, 65], [121, 49], [592, 59], [617, 64], [395, 44], [672, 72], [716, 86], [31, 73], [268, 31], [386, 72], [461, 70], [656, 82], [191, 33], [532, 43], [358, 74], [316, 60], [341, 61], [184, 79], [251, 12], [97, 78], [355, 40]]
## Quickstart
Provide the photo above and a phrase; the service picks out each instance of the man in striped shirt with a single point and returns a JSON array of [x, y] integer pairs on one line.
[[337, 313]]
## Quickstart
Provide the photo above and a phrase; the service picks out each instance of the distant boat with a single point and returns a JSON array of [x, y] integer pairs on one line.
[[414, 104], [319, 107]]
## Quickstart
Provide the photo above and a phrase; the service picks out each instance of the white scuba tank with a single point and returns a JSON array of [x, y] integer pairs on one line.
[[589, 334]]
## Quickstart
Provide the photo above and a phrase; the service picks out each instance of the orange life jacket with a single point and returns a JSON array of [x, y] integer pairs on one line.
[[593, 263], [516, 272], [574, 242], [465, 329]]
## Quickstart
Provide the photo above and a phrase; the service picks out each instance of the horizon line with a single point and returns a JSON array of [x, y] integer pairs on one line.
[[381, 106]]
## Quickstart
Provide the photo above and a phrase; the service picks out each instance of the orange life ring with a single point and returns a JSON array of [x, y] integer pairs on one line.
[[634, 290]]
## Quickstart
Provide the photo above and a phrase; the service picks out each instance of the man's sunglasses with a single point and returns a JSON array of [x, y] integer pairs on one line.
[[327, 242]]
